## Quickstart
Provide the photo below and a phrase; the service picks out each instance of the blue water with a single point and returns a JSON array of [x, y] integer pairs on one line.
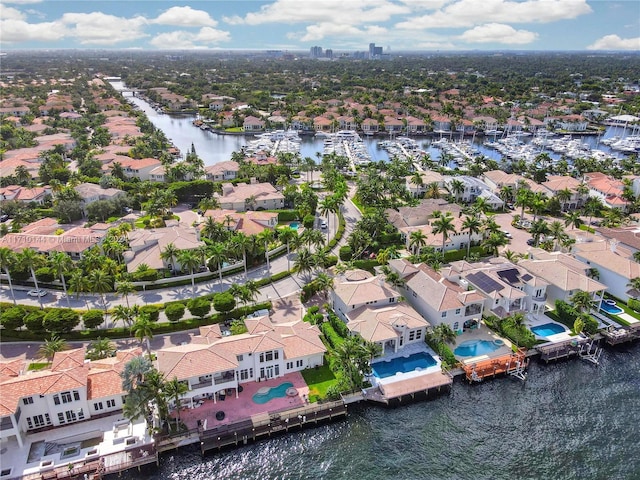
[[275, 392], [548, 329], [611, 309], [473, 348], [403, 364], [294, 225]]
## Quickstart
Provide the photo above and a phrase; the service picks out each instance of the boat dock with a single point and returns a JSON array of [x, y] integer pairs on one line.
[[511, 364], [422, 386], [268, 424], [622, 335]]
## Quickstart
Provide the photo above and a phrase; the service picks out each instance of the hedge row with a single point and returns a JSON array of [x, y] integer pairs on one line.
[[333, 339]]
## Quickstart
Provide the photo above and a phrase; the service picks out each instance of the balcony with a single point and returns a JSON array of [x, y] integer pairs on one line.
[[225, 377], [201, 384], [472, 310]]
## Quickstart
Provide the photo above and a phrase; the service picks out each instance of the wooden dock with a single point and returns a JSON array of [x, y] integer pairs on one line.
[[622, 335], [511, 364], [421, 386], [268, 424], [560, 350]]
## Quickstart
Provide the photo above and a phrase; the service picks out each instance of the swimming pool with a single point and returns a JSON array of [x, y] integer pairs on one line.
[[389, 368], [294, 225], [473, 348], [271, 392], [610, 307], [548, 329]]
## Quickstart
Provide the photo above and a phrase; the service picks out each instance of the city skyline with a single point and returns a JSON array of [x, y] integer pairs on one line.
[[402, 25]]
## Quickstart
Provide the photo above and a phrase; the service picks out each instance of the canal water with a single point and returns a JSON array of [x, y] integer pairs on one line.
[[214, 148], [570, 420]]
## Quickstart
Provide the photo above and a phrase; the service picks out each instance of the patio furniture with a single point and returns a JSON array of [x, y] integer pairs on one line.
[[220, 415]]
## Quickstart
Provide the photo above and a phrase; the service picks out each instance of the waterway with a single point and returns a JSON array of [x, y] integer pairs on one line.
[[570, 420], [214, 148]]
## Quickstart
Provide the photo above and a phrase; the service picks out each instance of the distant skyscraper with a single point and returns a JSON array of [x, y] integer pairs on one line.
[[374, 52], [328, 53], [316, 52]]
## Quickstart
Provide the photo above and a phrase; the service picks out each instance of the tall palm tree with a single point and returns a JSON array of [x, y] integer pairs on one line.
[[304, 261], [573, 219], [101, 348], [8, 259], [417, 240], [190, 261], [456, 186], [50, 347], [218, 254], [472, 226], [125, 314], [101, 283], [62, 264], [324, 283], [175, 389], [563, 197], [134, 373], [495, 241], [266, 237], [523, 198], [556, 229], [443, 225], [240, 243], [169, 254], [327, 207], [142, 329], [31, 259], [286, 235], [79, 284], [538, 228], [312, 238], [125, 288], [537, 203]]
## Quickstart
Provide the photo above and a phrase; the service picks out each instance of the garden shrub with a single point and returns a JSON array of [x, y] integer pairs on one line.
[[175, 311], [308, 221], [61, 320], [92, 318], [44, 274], [224, 302], [152, 310], [13, 318], [346, 253], [199, 307], [634, 304]]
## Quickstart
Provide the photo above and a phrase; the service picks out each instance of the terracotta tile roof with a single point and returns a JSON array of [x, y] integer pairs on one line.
[[103, 383], [362, 291], [68, 359], [377, 324], [192, 360]]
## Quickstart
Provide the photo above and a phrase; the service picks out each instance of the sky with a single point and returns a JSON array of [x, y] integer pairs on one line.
[[341, 25]]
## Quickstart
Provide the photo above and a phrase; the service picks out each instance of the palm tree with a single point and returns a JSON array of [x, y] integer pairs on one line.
[[79, 284], [494, 241], [100, 348], [50, 347], [472, 226], [556, 229], [175, 389], [31, 259], [417, 240], [124, 314], [101, 283], [538, 228], [218, 255], [169, 254], [506, 194], [592, 207], [582, 301], [433, 190], [7, 259], [266, 237], [456, 186], [327, 207], [523, 197], [124, 289], [61, 264], [286, 235], [444, 226], [563, 197], [372, 349], [324, 283], [134, 373], [537, 203], [312, 237], [443, 333], [191, 261], [573, 219], [634, 283], [142, 329], [304, 261]]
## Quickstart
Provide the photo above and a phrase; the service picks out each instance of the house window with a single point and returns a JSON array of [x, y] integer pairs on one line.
[[392, 300], [76, 395], [418, 334], [66, 397], [61, 419], [27, 400], [456, 326], [71, 416], [111, 403], [268, 356], [97, 406], [444, 314], [56, 399], [412, 335], [240, 357], [276, 369], [457, 311], [299, 363], [244, 374], [289, 365]]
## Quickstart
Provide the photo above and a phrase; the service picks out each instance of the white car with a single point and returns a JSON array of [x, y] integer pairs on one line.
[[37, 293], [507, 234], [323, 224]]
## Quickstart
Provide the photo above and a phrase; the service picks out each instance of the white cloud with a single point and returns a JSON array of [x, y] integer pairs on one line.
[[467, 13], [22, 2], [185, 17], [12, 31], [498, 33], [102, 29], [614, 42], [323, 30], [8, 13], [328, 11], [181, 39]]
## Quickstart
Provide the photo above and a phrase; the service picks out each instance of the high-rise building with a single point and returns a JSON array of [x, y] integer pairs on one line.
[[316, 52], [374, 52]]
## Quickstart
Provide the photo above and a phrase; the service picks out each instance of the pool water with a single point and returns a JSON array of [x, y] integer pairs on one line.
[[473, 348], [611, 309], [389, 368], [548, 329], [294, 225], [274, 392]]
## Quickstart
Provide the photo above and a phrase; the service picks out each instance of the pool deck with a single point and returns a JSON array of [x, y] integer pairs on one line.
[[481, 333]]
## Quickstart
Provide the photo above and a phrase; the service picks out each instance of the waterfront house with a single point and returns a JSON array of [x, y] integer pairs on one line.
[[139, 168], [221, 171], [564, 274], [428, 178], [253, 124], [70, 390], [359, 288], [558, 183], [216, 363], [609, 190], [422, 213], [437, 299], [90, 192], [506, 287], [474, 188], [614, 263], [496, 179], [370, 126], [253, 196]]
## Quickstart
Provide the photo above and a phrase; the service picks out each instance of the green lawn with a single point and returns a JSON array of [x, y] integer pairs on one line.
[[38, 366], [319, 380]]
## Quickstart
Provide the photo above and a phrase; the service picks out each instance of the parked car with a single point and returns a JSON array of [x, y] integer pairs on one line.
[[507, 234], [127, 210], [323, 224], [530, 242], [37, 293], [4, 217]]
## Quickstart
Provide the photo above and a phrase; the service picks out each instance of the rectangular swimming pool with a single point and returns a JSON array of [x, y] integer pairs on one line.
[[421, 360]]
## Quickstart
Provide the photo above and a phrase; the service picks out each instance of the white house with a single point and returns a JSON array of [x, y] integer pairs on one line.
[[254, 196], [222, 171], [359, 288]]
